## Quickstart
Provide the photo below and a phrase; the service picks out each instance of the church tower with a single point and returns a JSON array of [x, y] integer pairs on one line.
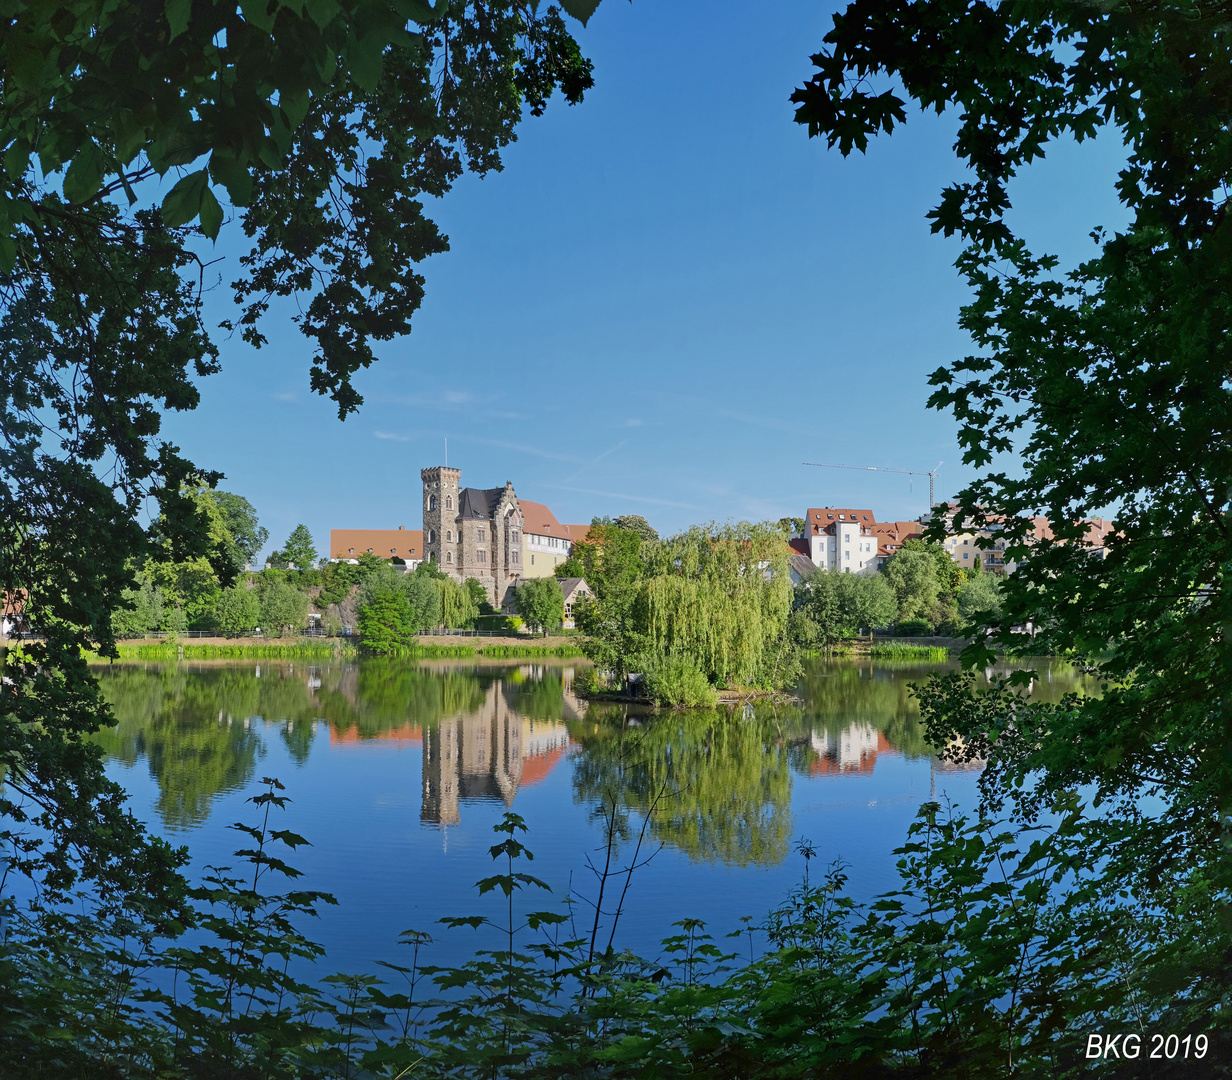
[[440, 512]]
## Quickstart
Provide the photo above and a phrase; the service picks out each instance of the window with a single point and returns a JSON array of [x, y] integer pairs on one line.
[[431, 502], [351, 550], [846, 554], [370, 551], [479, 535], [966, 555], [515, 536], [965, 543], [514, 555], [431, 536], [482, 556], [532, 558], [449, 556], [449, 535], [448, 502]]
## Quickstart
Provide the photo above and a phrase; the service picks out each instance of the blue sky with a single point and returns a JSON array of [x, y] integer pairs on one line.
[[668, 301]]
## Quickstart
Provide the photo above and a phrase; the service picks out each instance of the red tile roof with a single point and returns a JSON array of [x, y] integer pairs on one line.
[[540, 521], [383, 543]]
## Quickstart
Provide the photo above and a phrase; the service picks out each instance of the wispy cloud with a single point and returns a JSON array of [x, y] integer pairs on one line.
[[632, 422], [626, 498], [391, 436], [458, 397], [285, 395], [522, 449], [595, 461]]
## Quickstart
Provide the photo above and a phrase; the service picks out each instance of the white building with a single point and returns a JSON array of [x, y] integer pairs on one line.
[[841, 539]]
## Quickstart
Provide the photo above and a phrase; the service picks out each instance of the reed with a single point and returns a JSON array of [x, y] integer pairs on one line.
[[514, 651], [897, 650]]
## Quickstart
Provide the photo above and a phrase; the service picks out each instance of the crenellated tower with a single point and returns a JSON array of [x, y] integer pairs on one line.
[[440, 512]]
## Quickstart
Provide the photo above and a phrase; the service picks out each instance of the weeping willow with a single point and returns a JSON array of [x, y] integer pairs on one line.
[[457, 606], [718, 597]]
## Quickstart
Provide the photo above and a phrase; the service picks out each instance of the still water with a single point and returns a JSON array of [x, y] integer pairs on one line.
[[398, 771]]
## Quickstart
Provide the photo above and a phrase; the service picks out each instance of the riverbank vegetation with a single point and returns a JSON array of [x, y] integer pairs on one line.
[[691, 614]]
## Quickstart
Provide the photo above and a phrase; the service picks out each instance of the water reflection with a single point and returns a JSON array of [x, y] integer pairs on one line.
[[719, 781]]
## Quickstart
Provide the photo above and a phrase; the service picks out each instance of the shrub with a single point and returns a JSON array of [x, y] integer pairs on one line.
[[914, 628], [674, 680]]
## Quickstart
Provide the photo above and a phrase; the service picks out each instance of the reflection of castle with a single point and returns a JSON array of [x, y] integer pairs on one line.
[[488, 754], [854, 749]]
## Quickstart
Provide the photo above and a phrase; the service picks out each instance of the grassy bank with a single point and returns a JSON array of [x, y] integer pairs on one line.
[[896, 650], [274, 650]]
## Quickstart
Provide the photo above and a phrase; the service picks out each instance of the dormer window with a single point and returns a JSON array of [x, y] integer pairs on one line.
[[351, 551]]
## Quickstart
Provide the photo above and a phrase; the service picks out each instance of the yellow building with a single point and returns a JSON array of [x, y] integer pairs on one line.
[[546, 543]]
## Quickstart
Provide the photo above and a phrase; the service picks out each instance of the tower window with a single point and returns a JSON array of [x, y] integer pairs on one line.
[[448, 536], [431, 502], [482, 556], [449, 556], [479, 535], [448, 502]]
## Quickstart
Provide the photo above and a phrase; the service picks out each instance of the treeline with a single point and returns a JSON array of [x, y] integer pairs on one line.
[[920, 591], [713, 608], [218, 593]]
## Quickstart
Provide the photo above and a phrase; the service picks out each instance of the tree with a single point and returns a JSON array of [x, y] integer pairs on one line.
[[324, 128], [384, 622], [635, 523], [792, 526], [299, 550], [912, 575], [247, 535], [833, 606], [1109, 381], [980, 595], [541, 602], [282, 608], [238, 609]]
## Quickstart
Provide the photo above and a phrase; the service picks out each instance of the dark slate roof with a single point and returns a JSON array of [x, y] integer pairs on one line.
[[478, 503]]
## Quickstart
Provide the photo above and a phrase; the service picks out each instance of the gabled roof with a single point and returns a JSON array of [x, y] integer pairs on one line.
[[383, 543], [538, 520], [478, 503], [826, 514], [571, 585]]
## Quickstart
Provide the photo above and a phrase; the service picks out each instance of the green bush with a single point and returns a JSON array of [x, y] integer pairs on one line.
[[914, 628], [385, 623], [676, 681]]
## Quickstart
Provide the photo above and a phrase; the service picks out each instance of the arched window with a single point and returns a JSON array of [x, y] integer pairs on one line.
[[449, 556], [448, 536], [448, 502], [431, 536], [431, 502]]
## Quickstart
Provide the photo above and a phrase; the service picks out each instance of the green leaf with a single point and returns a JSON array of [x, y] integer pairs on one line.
[[16, 160], [323, 12], [85, 174], [178, 12], [232, 175], [183, 202], [8, 252], [365, 60], [581, 10], [211, 222]]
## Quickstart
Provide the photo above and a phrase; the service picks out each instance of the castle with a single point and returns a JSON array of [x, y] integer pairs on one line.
[[473, 532]]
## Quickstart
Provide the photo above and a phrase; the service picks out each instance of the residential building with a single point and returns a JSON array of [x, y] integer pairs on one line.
[[891, 536], [546, 543], [841, 538], [799, 565], [346, 545], [473, 532], [574, 588]]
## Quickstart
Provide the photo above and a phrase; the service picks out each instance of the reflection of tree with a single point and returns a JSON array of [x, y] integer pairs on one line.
[[191, 727], [378, 696], [729, 773], [839, 694]]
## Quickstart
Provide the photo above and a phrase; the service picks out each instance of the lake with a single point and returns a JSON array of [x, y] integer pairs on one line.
[[398, 771]]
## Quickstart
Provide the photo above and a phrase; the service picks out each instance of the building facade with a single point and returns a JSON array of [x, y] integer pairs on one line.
[[546, 543], [841, 539], [473, 532], [346, 545]]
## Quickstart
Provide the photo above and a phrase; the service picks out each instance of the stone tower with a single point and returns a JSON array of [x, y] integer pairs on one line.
[[440, 510]]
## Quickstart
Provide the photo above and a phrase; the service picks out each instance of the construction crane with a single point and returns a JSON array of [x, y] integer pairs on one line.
[[932, 501]]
